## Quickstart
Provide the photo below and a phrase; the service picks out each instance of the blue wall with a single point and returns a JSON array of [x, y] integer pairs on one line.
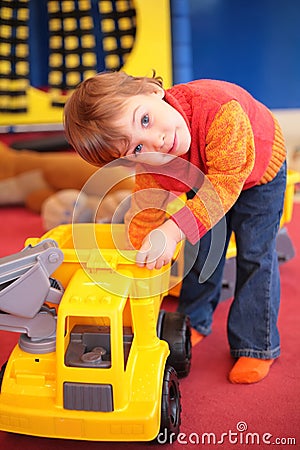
[[255, 43]]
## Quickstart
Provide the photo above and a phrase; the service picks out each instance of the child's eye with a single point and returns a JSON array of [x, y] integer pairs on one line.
[[138, 149], [145, 120]]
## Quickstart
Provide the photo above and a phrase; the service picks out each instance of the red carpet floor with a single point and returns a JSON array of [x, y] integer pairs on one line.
[[270, 410]]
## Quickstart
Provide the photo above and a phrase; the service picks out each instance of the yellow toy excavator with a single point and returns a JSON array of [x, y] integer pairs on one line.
[[97, 358]]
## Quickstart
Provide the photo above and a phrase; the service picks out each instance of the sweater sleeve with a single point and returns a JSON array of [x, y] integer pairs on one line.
[[148, 208], [230, 155]]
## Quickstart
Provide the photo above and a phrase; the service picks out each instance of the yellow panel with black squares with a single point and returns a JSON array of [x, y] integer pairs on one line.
[[124, 29]]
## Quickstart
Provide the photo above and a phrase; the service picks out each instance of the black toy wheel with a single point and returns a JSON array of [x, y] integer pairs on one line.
[[170, 407], [175, 328]]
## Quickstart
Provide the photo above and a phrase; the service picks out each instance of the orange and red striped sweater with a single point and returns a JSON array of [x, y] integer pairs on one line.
[[236, 143]]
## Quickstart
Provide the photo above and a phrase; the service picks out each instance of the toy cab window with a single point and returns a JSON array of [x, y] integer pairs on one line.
[[90, 344], [127, 330]]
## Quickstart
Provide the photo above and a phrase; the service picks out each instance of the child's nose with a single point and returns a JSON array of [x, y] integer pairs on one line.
[[159, 141], [153, 142]]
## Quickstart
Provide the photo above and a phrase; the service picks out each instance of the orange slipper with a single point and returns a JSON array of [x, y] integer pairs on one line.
[[249, 370], [196, 337]]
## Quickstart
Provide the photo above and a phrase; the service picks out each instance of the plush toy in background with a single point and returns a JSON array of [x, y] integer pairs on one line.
[[49, 184]]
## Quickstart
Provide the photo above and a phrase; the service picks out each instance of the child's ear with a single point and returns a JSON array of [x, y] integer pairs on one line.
[[159, 91]]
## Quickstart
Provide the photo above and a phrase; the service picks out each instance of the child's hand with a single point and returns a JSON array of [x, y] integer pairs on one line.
[[159, 246]]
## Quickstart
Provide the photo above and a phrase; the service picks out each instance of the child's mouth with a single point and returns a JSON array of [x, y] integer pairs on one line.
[[173, 148]]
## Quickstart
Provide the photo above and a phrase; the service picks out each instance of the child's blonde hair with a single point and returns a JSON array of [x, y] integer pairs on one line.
[[94, 107]]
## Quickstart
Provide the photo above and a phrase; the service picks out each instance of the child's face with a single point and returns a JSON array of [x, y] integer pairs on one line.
[[157, 131]]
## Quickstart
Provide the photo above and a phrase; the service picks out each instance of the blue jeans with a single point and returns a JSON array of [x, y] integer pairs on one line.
[[252, 321]]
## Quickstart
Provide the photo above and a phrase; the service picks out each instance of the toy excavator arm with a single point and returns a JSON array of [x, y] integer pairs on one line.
[[25, 285]]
